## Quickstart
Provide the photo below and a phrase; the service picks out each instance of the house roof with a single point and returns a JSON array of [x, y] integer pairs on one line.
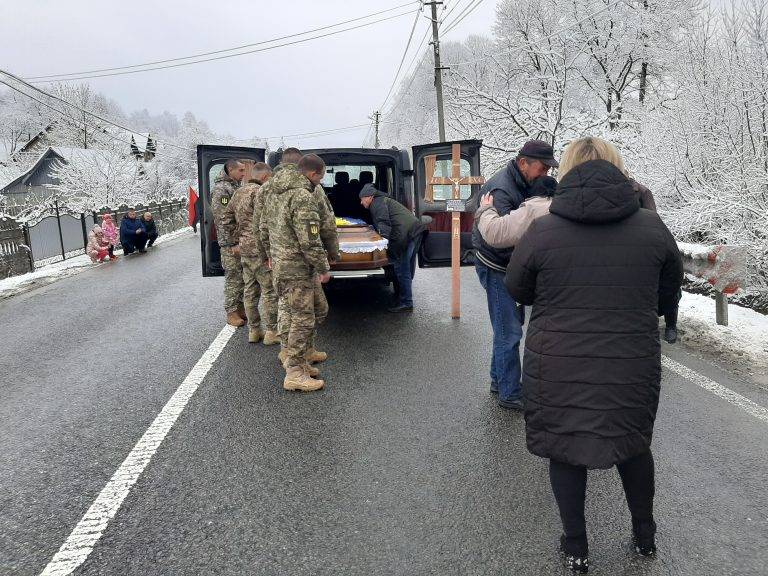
[[83, 156]]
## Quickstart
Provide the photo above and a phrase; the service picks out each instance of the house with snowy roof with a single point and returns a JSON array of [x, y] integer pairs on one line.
[[35, 182]]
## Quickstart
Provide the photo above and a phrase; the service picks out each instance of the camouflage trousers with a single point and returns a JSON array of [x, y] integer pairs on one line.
[[233, 280], [258, 286], [302, 306]]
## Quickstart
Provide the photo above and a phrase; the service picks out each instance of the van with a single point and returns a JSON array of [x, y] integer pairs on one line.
[[347, 170]]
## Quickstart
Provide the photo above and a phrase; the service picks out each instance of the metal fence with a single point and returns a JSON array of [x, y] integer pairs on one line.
[[62, 234]]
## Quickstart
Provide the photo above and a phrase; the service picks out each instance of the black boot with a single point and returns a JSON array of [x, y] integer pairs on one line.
[[576, 563], [644, 537]]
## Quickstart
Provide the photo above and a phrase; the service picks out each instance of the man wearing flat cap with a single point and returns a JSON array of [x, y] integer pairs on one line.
[[509, 188]]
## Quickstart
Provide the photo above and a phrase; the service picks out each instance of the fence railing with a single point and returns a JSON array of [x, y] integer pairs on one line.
[[724, 267], [63, 234]]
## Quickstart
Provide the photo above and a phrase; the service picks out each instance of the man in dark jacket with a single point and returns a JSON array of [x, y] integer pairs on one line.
[[403, 231], [509, 188], [150, 227], [596, 270], [133, 234]]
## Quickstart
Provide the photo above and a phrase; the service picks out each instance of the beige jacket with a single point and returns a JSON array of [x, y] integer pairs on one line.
[[506, 231]]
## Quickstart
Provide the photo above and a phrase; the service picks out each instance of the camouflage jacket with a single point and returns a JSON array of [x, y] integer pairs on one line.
[[328, 233], [264, 214], [238, 219], [223, 190], [291, 225]]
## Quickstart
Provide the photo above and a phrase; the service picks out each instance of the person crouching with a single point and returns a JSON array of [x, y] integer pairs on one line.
[[133, 234], [97, 247], [151, 228]]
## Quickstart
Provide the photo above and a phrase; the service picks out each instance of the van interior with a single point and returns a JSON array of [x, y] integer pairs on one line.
[[344, 180]]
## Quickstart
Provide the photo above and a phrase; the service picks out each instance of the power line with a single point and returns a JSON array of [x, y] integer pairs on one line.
[[226, 56], [467, 11], [84, 110], [455, 5], [411, 70], [100, 128], [402, 60], [404, 91], [547, 37], [202, 54]]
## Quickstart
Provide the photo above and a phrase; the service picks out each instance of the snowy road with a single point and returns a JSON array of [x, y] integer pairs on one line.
[[404, 465]]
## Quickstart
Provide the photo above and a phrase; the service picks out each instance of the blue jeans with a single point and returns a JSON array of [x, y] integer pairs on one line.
[[403, 268], [507, 332]]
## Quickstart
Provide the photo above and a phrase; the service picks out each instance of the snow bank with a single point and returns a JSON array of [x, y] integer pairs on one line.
[[695, 251], [744, 343], [69, 267]]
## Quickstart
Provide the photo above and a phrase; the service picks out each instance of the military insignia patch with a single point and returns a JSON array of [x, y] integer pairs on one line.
[[313, 229], [224, 200]]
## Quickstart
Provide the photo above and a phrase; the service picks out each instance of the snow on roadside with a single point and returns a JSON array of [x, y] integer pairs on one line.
[[743, 343], [69, 267]]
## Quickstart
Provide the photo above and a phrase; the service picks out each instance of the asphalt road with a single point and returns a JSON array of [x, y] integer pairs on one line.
[[402, 465]]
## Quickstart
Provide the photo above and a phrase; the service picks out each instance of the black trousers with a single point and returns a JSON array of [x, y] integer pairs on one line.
[[152, 238], [137, 242], [569, 485]]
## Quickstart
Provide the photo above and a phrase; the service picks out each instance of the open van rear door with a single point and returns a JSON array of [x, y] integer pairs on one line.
[[434, 160], [210, 162]]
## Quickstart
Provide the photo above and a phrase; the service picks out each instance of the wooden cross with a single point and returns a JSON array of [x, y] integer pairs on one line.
[[456, 181]]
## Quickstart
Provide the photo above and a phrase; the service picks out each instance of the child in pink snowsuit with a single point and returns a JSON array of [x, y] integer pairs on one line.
[[110, 234], [97, 248]]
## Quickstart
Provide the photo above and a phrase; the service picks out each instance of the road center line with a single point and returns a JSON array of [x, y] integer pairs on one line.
[[717, 389], [89, 530]]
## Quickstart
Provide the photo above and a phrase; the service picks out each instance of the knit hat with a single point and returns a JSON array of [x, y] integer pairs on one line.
[[368, 190]]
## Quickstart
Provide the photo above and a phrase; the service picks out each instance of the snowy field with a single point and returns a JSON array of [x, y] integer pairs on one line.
[[69, 267]]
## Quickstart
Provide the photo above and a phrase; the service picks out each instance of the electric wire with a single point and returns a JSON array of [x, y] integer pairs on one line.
[[548, 36], [91, 125], [227, 56], [471, 8], [402, 60], [214, 52]]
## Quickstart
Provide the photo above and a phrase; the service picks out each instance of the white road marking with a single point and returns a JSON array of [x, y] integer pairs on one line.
[[717, 389], [89, 530]]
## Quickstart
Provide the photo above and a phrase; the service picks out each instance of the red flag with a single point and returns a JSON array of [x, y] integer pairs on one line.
[[192, 206]]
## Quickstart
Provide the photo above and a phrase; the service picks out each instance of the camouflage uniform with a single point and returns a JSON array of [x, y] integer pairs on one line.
[[330, 238], [290, 231], [223, 190], [257, 278]]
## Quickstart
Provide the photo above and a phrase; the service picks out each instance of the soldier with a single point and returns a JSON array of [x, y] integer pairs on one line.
[[223, 190], [257, 278], [330, 239], [291, 227]]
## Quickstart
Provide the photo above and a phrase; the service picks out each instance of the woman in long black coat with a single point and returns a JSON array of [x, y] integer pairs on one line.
[[597, 270]]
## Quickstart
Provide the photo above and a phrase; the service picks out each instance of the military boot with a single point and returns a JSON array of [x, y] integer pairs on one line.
[[242, 314], [270, 338], [233, 319], [311, 370], [313, 356], [283, 357], [296, 378], [255, 335]]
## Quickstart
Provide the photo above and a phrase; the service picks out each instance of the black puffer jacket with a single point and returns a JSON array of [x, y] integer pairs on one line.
[[509, 189], [393, 221], [595, 269]]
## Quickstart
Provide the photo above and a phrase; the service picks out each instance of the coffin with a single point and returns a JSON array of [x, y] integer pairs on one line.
[[361, 248]]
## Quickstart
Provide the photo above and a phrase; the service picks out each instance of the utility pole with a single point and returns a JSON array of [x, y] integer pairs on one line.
[[438, 70], [376, 116]]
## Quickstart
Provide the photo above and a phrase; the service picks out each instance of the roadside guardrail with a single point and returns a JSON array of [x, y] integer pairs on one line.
[[723, 266]]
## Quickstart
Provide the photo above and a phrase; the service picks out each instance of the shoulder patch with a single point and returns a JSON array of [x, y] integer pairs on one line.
[[313, 229], [224, 200]]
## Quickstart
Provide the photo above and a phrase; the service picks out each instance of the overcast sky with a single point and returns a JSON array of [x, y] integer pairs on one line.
[[326, 83]]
